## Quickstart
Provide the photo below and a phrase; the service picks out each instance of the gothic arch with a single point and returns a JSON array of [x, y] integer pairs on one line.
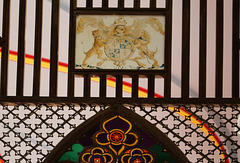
[[117, 133]]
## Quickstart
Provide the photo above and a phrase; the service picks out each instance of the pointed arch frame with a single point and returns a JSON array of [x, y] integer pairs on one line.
[[137, 120]]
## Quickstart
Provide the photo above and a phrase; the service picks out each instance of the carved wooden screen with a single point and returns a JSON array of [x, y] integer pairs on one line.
[[151, 75], [205, 126]]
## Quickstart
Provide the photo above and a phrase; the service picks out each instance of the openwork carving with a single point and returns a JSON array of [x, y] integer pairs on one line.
[[137, 155], [29, 133], [120, 136], [117, 134], [96, 155]]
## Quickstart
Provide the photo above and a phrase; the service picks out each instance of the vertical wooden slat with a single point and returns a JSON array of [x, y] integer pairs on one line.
[[136, 3], [1, 41], [119, 81], [37, 48], [71, 57], [153, 4], [87, 85], [5, 47], [151, 86], [235, 53], [89, 4], [121, 4], [185, 48], [103, 85], [219, 50], [168, 61], [135, 81], [104, 3], [21, 47], [54, 48], [203, 39]]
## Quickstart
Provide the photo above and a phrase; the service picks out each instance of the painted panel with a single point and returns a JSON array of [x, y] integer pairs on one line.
[[120, 42]]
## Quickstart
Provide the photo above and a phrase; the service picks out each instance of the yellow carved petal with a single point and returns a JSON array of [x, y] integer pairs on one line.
[[100, 142], [150, 156], [134, 143], [130, 125], [84, 155], [108, 155]]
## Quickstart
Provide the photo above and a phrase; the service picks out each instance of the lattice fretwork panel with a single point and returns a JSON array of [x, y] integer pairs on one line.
[[28, 133], [204, 134]]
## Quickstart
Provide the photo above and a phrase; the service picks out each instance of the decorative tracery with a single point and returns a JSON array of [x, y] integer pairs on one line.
[[117, 135], [96, 155], [116, 139]]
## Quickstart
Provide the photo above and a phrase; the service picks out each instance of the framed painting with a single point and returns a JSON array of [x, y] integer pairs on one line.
[[120, 42]]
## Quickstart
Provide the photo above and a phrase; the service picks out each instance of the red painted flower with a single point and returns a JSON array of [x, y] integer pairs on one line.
[[116, 134]]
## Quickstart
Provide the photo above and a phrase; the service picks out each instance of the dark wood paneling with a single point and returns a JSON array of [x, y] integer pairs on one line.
[[109, 101], [103, 85], [1, 41], [135, 81], [121, 3], [161, 73], [104, 3], [235, 50], [219, 49], [121, 11], [136, 4], [5, 47], [119, 81], [168, 51], [87, 85], [71, 55], [54, 48], [185, 48], [38, 48], [21, 47], [202, 52], [153, 4], [89, 4], [151, 86]]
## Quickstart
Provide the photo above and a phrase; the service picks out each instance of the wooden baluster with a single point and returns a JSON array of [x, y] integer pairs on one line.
[[5, 47], [219, 50], [38, 48], [235, 53], [21, 47], [185, 48], [54, 48], [203, 45]]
